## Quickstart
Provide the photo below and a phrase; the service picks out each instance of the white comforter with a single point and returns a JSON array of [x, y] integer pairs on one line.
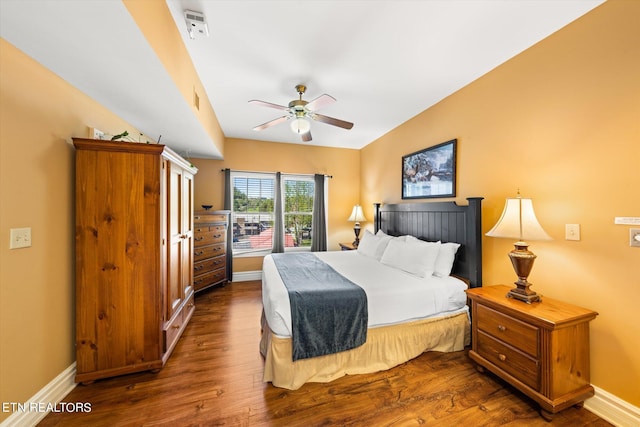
[[393, 295]]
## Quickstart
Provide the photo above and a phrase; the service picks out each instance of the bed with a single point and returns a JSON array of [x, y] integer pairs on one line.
[[409, 309]]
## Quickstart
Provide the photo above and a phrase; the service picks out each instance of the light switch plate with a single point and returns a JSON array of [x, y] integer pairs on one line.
[[572, 231], [634, 237]]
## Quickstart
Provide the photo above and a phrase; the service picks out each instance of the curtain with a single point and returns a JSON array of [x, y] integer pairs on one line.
[[319, 220], [278, 222], [228, 204]]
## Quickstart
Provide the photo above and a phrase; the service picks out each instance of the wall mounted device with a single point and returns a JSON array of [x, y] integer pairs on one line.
[[196, 24]]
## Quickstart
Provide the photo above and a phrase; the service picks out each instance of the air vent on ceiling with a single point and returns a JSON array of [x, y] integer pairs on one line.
[[196, 24]]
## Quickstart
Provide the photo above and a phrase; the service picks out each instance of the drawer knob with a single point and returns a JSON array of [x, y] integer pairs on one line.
[[502, 357], [502, 328], [176, 326]]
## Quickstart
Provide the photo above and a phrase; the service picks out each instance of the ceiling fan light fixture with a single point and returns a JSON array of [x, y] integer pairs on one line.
[[300, 126]]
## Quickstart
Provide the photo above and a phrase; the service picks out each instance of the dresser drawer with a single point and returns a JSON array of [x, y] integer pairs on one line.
[[204, 218], [512, 331], [213, 277], [209, 264], [209, 251], [214, 234], [516, 363]]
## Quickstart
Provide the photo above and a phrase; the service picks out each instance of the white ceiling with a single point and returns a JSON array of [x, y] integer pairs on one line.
[[384, 61]]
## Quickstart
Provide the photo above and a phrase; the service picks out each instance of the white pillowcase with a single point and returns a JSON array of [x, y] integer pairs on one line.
[[373, 245], [446, 257], [413, 256]]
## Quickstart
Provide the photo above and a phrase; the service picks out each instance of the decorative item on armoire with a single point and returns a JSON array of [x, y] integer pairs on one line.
[[518, 221]]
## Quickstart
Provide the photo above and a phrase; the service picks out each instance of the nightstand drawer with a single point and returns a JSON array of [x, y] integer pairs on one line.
[[516, 363], [512, 331]]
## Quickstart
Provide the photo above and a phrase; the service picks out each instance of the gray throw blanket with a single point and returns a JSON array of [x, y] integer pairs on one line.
[[328, 312]]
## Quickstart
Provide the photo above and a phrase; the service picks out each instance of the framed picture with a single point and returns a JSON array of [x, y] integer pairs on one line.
[[430, 172]]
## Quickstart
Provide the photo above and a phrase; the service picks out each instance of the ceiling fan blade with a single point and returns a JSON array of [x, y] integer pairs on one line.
[[320, 102], [272, 123], [331, 121], [268, 104], [306, 137]]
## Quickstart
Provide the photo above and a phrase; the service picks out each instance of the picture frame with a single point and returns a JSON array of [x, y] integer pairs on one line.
[[430, 172]]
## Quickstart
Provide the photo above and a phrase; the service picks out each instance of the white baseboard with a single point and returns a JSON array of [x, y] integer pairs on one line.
[[34, 410], [246, 276], [613, 409]]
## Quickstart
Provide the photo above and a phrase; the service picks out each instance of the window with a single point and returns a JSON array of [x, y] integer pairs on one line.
[[298, 211], [253, 212]]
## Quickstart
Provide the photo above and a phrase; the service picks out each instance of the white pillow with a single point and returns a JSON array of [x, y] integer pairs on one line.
[[413, 256], [446, 256], [381, 233], [372, 245]]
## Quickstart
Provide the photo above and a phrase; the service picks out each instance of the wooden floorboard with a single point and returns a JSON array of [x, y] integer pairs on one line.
[[214, 378]]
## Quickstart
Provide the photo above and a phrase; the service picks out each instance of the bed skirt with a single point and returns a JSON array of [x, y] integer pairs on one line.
[[386, 347]]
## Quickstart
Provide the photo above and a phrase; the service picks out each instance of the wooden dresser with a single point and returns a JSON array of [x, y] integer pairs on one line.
[[542, 348], [134, 256], [210, 249]]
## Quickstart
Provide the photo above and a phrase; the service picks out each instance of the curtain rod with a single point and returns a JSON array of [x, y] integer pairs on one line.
[[299, 174]]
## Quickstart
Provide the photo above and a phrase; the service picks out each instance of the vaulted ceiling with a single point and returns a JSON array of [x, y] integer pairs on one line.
[[383, 61]]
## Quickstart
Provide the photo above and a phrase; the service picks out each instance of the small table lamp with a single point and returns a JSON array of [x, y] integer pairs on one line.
[[357, 215], [518, 221]]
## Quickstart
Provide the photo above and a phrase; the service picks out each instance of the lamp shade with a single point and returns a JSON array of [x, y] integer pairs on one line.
[[300, 125], [356, 214], [518, 221]]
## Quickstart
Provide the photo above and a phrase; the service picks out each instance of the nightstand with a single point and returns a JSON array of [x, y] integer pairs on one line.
[[542, 349], [347, 247]]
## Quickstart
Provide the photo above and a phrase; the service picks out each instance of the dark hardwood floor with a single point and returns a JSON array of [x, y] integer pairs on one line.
[[214, 378]]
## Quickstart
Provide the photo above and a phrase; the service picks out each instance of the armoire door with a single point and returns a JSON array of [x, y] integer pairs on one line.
[[180, 235]]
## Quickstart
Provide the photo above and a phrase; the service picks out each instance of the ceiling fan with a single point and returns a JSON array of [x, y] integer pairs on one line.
[[300, 110]]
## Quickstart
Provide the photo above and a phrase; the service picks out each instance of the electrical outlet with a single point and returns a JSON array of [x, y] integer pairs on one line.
[[634, 237], [20, 238]]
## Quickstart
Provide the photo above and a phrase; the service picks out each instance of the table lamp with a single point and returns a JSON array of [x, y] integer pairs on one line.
[[518, 221], [357, 215]]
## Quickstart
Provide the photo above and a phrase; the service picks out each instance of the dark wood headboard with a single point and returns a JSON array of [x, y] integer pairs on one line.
[[444, 221]]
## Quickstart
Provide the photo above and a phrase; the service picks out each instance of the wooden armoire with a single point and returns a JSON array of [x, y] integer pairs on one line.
[[134, 256]]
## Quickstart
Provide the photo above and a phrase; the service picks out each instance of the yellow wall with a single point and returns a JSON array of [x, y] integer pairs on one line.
[[259, 156], [561, 122], [571, 104], [39, 113]]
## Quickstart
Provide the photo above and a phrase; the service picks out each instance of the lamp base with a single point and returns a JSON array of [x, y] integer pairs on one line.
[[356, 231], [523, 293], [522, 260]]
